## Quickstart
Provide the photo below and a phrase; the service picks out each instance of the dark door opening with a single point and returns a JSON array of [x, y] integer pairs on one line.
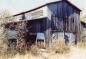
[[34, 27]]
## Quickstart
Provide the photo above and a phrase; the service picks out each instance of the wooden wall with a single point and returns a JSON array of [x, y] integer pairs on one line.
[[63, 17]]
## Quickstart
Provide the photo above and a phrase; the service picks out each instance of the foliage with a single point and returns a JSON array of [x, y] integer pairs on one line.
[[3, 37], [5, 49]]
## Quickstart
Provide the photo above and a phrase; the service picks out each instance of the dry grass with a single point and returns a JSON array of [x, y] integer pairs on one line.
[[82, 43], [74, 54], [34, 50], [59, 46]]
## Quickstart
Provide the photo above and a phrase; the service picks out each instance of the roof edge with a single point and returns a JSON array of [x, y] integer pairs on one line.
[[46, 5], [73, 5]]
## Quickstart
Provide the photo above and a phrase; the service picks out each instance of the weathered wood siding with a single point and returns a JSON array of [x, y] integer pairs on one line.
[[64, 18]]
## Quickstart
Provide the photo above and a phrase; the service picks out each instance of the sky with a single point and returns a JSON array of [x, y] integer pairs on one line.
[[17, 6]]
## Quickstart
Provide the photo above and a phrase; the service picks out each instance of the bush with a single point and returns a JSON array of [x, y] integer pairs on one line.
[[59, 46]]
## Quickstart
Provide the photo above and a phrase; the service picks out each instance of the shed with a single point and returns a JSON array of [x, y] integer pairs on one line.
[[61, 18]]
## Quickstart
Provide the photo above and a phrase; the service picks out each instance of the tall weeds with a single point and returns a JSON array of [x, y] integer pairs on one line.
[[59, 46]]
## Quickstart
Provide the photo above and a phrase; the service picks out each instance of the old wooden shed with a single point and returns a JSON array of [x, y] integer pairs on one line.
[[60, 19]]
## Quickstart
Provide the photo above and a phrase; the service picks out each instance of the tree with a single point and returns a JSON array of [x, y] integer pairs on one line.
[[3, 39]]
